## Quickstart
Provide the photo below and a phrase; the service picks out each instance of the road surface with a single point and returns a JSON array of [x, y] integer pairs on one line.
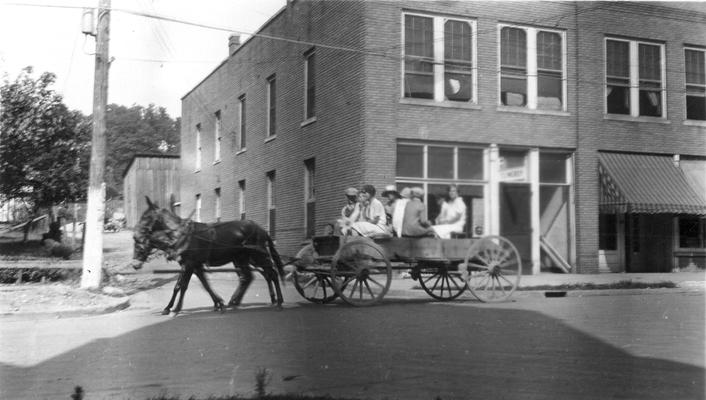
[[648, 346]]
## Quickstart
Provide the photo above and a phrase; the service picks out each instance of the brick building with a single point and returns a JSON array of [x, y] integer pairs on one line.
[[578, 130]]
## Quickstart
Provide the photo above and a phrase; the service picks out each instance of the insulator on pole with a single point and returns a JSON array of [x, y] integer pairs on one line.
[[88, 22]]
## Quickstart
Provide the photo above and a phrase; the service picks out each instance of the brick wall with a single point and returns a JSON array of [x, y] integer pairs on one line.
[[360, 116]]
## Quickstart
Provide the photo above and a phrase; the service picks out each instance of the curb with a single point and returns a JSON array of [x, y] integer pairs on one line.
[[121, 304]]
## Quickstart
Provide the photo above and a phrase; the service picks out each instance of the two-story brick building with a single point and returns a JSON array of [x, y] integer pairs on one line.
[[578, 130]]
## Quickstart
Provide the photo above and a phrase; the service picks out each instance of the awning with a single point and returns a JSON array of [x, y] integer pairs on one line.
[[646, 184]]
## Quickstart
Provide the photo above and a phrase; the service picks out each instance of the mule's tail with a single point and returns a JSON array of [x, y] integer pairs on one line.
[[276, 258]]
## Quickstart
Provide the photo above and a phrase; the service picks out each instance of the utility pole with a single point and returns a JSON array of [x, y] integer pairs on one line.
[[95, 209]]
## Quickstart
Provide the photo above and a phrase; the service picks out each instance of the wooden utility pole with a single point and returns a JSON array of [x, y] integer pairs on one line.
[[95, 209]]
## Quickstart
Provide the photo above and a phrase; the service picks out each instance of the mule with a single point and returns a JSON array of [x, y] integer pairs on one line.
[[194, 245]]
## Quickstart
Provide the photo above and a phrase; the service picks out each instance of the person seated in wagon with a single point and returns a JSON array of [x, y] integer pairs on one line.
[[350, 212], [452, 217], [414, 223], [372, 220], [396, 202]]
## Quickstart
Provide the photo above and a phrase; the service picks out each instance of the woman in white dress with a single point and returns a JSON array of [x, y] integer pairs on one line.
[[452, 217]]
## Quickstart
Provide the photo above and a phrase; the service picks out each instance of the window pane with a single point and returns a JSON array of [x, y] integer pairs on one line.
[[311, 86], [608, 229], [513, 166], [513, 91], [475, 211], [458, 86], [690, 233], [457, 41], [470, 164], [696, 107], [649, 62], [552, 168], [441, 162], [513, 47], [549, 51], [419, 79], [618, 99], [410, 160], [549, 91], [695, 68], [419, 36], [651, 103], [617, 58]]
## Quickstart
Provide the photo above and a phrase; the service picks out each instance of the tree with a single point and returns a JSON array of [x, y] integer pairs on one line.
[[44, 147], [136, 129]]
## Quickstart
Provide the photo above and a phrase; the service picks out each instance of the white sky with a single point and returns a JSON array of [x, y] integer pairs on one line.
[[50, 39]]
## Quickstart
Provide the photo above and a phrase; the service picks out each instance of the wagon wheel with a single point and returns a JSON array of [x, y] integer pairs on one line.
[[493, 269], [442, 281], [361, 273], [313, 286]]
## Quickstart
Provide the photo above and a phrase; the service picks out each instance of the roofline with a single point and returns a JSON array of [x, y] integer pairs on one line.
[[254, 35], [147, 155]]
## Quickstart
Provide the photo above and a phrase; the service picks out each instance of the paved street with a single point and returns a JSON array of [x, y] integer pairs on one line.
[[622, 346]]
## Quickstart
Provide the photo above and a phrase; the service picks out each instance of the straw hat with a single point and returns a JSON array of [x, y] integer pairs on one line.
[[417, 192], [351, 191], [391, 189], [405, 193]]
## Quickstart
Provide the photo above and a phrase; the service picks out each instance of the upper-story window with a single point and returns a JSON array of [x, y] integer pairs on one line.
[[439, 58], [532, 68], [241, 112], [309, 84], [695, 71], [635, 73], [198, 148], [217, 137], [271, 106]]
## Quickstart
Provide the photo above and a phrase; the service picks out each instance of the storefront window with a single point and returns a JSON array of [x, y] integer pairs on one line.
[[552, 168], [608, 232], [441, 162], [410, 161], [446, 165], [513, 166], [470, 164], [691, 232]]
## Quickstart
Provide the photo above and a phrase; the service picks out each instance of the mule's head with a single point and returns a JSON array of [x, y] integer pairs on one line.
[[150, 222]]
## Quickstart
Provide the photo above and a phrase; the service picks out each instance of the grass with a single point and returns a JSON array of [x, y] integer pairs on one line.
[[624, 284]]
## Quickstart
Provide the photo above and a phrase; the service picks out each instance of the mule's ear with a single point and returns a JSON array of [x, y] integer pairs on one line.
[[150, 204], [172, 201]]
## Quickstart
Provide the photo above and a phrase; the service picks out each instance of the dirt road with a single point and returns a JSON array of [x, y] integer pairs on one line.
[[647, 346]]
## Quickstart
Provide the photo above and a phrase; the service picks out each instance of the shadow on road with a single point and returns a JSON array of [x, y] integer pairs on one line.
[[409, 350]]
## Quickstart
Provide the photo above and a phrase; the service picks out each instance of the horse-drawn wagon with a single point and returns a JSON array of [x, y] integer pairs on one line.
[[359, 270]]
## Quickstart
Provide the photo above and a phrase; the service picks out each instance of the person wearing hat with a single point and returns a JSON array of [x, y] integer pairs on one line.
[[397, 201], [415, 223], [372, 221], [350, 212]]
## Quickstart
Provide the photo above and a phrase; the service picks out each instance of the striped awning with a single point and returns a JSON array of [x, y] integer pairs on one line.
[[646, 184]]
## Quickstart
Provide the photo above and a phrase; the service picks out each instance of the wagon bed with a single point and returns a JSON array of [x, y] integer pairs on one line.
[[359, 270]]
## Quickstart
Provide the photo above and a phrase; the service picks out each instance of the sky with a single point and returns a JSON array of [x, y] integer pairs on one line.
[[156, 61]]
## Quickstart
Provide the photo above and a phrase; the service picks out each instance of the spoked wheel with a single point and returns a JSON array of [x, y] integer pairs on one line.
[[311, 279], [315, 287], [361, 273], [441, 281], [493, 269]]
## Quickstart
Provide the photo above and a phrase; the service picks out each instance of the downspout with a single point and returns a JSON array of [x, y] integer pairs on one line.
[[575, 230]]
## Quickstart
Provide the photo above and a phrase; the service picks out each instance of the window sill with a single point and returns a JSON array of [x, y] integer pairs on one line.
[[308, 122], [694, 122], [197, 170], [442, 104], [241, 151], [216, 162], [270, 138], [525, 110], [628, 118]]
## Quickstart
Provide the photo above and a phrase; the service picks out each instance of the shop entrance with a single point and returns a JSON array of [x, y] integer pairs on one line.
[[516, 219]]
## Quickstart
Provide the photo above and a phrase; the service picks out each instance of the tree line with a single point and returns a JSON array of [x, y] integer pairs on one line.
[[45, 147]]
